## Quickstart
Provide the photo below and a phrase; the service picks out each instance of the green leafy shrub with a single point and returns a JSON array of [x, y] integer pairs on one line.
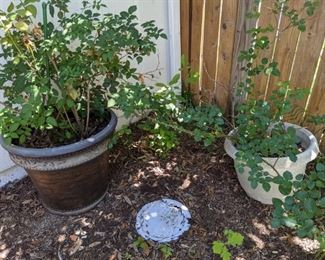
[[58, 81], [260, 130]]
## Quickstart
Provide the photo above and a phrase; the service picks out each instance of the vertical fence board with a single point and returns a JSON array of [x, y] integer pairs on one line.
[[317, 101], [210, 49], [241, 41], [226, 48], [308, 51], [185, 36], [266, 18], [285, 50], [196, 33]]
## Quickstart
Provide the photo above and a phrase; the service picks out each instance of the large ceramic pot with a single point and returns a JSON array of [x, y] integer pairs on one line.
[[70, 179], [282, 164]]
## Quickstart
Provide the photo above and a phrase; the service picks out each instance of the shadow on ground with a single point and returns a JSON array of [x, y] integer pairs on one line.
[[204, 181]]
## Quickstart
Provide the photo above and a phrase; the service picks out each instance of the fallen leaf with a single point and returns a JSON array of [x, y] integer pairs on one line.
[[128, 201], [61, 238], [4, 253], [186, 183], [73, 238], [95, 244], [76, 246], [99, 233]]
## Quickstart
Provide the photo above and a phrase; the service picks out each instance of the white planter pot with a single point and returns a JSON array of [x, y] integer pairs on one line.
[[282, 164]]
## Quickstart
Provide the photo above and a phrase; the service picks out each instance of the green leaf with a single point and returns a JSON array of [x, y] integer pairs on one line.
[[218, 247], [10, 7], [22, 139], [254, 184], [32, 10], [285, 188], [320, 167], [310, 205], [164, 36], [277, 202], [139, 59], [14, 135], [266, 186], [175, 79], [276, 223], [51, 8], [290, 222], [287, 175], [132, 9], [111, 103], [265, 61], [234, 238], [322, 202], [51, 121], [22, 26], [13, 127]]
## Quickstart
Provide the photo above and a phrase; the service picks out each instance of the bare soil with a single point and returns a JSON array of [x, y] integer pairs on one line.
[[205, 181]]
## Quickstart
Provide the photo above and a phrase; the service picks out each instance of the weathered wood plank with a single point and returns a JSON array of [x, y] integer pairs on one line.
[[196, 33], [316, 104], [308, 51], [241, 42], [285, 49], [226, 49], [266, 18], [210, 49], [185, 36]]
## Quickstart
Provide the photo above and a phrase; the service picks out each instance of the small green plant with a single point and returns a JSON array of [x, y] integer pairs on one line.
[[220, 248], [123, 134], [140, 243], [127, 256], [166, 250]]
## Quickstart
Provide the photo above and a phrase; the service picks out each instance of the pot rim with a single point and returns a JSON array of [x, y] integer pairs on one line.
[[64, 149], [309, 154]]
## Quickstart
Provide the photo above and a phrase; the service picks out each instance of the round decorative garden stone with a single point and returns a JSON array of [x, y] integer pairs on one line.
[[163, 220]]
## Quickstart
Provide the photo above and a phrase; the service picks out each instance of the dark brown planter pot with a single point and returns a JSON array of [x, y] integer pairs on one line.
[[70, 179]]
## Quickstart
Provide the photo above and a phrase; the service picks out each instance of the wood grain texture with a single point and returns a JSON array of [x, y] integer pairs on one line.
[[210, 50], [289, 53], [316, 104], [241, 42], [308, 51], [285, 49], [185, 36], [266, 18], [226, 49], [196, 32]]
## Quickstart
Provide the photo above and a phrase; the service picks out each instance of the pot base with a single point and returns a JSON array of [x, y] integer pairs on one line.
[[74, 211]]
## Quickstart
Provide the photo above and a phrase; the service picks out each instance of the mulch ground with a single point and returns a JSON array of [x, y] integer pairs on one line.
[[205, 181]]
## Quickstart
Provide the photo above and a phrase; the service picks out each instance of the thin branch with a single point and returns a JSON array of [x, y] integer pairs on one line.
[[88, 108], [69, 122], [272, 166]]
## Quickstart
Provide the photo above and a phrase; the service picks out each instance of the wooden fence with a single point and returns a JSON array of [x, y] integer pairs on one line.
[[213, 33]]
